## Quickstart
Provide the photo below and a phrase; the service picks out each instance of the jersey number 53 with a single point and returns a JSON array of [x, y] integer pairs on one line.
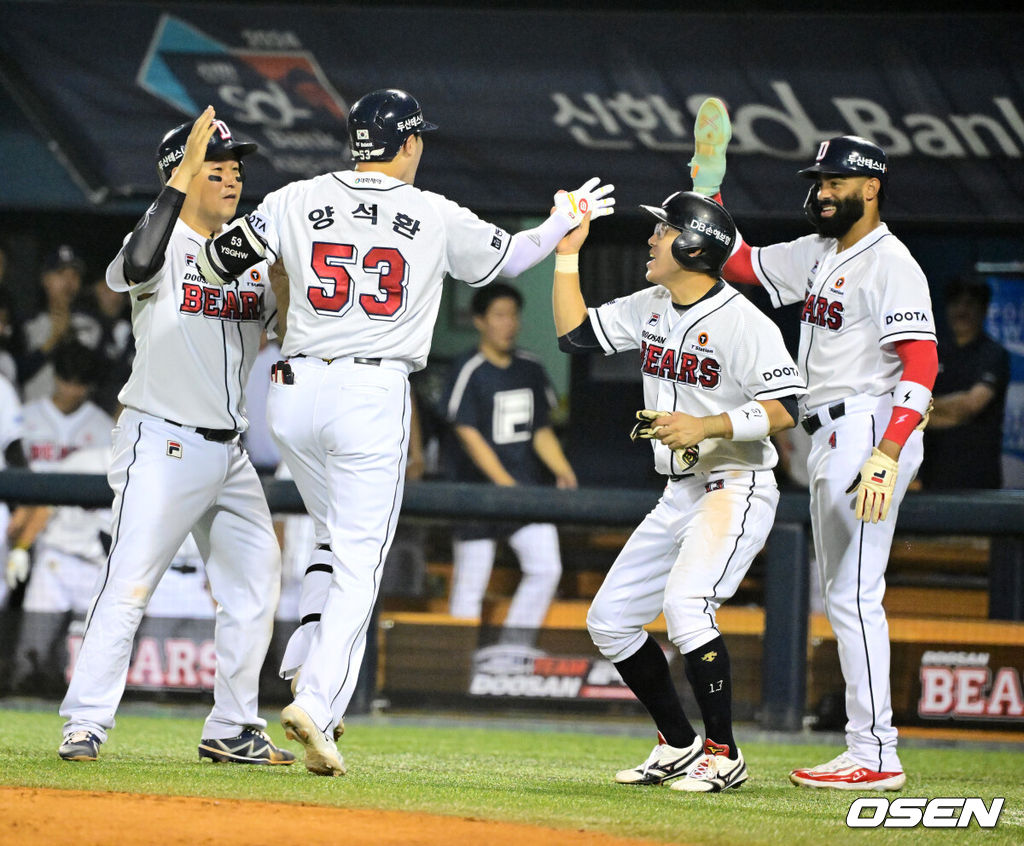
[[330, 262]]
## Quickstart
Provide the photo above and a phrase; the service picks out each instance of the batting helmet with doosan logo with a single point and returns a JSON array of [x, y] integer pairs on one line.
[[848, 155], [222, 147], [380, 121], [703, 224]]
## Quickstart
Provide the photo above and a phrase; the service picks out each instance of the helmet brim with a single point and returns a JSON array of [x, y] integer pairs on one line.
[[657, 211], [427, 127], [239, 149]]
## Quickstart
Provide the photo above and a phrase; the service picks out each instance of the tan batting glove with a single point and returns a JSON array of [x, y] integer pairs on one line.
[[875, 484], [686, 457], [927, 415], [17, 567]]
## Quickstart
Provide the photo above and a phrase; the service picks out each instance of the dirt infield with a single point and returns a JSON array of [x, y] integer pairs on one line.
[[78, 818]]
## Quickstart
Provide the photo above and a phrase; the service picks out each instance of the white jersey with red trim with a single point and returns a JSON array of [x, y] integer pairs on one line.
[[366, 255], [11, 417], [857, 304], [710, 357], [194, 342], [51, 435]]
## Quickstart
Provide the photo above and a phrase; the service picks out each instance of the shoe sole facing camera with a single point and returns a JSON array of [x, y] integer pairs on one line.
[[893, 781], [223, 756], [712, 131], [322, 758]]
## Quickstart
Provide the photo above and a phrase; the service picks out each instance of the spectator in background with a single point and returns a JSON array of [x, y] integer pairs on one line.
[[964, 438], [103, 322], [11, 455], [8, 348], [499, 401], [61, 280]]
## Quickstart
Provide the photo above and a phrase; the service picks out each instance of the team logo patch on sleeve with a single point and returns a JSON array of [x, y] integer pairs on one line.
[[174, 449], [716, 485]]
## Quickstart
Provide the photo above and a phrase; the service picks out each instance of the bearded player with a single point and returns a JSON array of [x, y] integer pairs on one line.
[[867, 348]]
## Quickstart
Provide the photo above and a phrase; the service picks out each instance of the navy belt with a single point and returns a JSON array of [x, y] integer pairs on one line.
[[812, 424], [221, 436]]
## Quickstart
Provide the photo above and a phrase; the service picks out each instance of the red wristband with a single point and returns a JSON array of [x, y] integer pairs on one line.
[[901, 424]]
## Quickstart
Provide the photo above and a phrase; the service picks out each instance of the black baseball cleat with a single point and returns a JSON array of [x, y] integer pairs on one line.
[[252, 746], [80, 746]]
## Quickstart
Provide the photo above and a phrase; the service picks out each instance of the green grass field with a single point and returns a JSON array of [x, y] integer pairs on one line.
[[557, 778]]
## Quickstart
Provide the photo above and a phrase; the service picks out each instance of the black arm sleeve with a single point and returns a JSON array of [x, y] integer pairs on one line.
[[582, 339], [144, 251], [792, 406]]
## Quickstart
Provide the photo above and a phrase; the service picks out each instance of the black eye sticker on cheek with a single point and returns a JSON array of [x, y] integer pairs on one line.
[[214, 178]]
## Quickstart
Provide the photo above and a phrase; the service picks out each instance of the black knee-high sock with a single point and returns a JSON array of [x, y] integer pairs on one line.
[[646, 673], [710, 675]]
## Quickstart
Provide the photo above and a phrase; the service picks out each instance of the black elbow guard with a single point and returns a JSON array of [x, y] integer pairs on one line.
[[143, 254], [582, 339]]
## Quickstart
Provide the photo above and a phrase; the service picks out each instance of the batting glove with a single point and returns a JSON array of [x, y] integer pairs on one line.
[[646, 429], [17, 567], [874, 486], [573, 205]]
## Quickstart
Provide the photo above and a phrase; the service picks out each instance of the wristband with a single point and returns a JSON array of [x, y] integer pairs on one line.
[[567, 262], [749, 422], [902, 424], [912, 395]]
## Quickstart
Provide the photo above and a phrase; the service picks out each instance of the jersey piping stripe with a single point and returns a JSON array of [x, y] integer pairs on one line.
[[911, 335], [735, 547], [774, 293], [396, 504], [117, 536], [459, 389], [238, 370], [604, 335], [227, 389], [863, 631], [495, 268]]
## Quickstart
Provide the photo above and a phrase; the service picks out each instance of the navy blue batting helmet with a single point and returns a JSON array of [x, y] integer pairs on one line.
[[849, 155], [380, 121], [703, 224], [222, 147]]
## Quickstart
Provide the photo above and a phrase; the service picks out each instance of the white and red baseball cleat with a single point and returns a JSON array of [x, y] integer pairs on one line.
[[843, 773]]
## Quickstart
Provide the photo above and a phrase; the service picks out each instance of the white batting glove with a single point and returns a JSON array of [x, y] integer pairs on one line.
[[875, 485], [17, 567], [573, 205]]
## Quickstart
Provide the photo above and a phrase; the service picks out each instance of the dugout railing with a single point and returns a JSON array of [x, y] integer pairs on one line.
[[996, 514]]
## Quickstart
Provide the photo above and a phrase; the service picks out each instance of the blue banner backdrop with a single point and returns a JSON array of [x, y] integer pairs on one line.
[[531, 101]]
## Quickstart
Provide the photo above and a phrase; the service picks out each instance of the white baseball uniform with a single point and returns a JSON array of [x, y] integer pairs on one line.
[[857, 304], [68, 552], [177, 467], [690, 553], [51, 435], [11, 422], [365, 255]]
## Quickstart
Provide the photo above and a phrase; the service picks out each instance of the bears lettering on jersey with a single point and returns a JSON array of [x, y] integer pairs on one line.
[[678, 366], [221, 303], [820, 311]]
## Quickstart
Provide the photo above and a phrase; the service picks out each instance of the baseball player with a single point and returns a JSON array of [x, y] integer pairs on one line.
[[867, 348], [717, 382], [55, 427], [177, 465], [12, 454], [365, 253], [498, 401]]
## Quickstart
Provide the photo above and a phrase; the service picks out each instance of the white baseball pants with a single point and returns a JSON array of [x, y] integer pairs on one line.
[[686, 558], [167, 481], [343, 431], [851, 558], [536, 547]]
